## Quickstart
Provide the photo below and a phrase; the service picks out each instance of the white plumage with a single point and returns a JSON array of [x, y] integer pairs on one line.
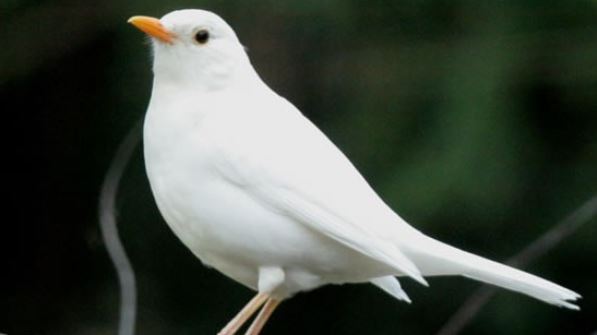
[[255, 190]]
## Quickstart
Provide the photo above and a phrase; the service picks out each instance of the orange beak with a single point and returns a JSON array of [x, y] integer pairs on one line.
[[152, 27]]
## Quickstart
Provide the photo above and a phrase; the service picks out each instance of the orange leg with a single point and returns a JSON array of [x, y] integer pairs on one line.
[[242, 316], [263, 316]]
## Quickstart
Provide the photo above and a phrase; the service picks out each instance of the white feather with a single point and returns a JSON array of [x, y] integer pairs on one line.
[[391, 286]]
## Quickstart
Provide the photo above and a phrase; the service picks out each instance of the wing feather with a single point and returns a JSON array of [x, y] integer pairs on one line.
[[293, 168], [340, 229]]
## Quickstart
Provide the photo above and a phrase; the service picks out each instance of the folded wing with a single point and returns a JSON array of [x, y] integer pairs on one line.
[[293, 168]]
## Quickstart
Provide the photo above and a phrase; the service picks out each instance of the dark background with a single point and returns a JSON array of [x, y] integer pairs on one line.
[[474, 120]]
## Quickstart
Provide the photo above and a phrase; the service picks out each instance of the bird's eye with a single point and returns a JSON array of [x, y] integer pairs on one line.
[[202, 36]]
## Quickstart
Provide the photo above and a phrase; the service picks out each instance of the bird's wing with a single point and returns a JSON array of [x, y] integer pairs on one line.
[[291, 167]]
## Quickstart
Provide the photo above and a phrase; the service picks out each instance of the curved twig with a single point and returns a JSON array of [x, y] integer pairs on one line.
[[108, 227], [566, 227]]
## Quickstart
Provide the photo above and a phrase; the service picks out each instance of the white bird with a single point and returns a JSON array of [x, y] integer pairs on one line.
[[258, 192]]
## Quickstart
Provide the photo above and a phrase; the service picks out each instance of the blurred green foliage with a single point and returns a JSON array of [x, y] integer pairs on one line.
[[476, 121]]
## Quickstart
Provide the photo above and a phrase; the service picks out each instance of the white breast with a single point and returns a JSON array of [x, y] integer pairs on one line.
[[222, 225]]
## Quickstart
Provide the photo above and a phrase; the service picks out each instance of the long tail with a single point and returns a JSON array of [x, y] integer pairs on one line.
[[434, 258]]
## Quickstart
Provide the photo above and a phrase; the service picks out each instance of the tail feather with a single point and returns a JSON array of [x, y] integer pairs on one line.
[[435, 258], [391, 285]]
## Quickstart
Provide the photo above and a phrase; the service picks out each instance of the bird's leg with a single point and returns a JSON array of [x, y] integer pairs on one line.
[[242, 316], [263, 316]]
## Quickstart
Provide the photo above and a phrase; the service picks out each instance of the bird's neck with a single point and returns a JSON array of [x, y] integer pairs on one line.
[[176, 93], [200, 78]]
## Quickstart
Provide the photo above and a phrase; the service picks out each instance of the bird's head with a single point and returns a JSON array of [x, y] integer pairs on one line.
[[195, 48]]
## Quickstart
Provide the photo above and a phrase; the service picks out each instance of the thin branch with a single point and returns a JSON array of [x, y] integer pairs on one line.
[[566, 227], [108, 227]]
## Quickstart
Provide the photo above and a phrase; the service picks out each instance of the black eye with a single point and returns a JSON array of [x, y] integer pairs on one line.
[[202, 36]]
